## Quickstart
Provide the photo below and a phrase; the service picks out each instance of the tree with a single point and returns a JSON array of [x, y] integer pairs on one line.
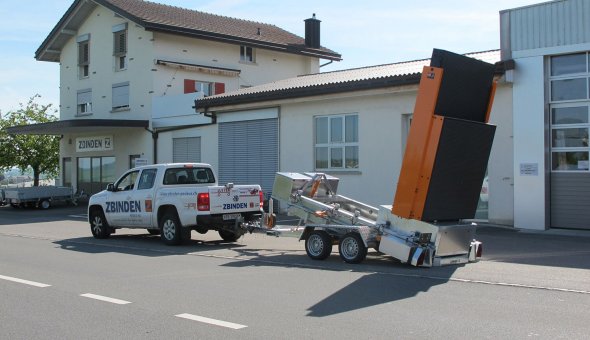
[[39, 152]]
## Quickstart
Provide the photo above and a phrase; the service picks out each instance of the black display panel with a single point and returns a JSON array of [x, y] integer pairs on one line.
[[459, 169], [466, 86]]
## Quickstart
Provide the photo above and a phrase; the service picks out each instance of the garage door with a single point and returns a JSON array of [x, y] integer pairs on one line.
[[249, 152], [570, 202]]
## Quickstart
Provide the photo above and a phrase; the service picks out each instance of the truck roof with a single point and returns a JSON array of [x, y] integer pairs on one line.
[[174, 165]]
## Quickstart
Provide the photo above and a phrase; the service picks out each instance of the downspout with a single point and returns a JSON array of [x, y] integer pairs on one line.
[[155, 133], [155, 139]]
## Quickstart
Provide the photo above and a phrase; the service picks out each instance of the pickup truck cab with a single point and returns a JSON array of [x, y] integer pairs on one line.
[[173, 199]]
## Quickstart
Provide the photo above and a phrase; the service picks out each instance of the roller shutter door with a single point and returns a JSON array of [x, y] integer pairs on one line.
[[570, 200], [186, 150], [249, 152]]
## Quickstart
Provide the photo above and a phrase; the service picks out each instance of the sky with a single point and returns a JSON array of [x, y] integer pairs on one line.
[[365, 33]]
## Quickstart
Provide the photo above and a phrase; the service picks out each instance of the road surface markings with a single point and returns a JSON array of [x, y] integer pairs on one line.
[[211, 321], [105, 298], [84, 216], [27, 282]]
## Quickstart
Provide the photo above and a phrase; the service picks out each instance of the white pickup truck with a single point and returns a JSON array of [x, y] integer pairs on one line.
[[173, 199]]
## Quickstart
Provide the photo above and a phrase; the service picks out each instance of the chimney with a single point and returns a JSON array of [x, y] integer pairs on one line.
[[312, 32]]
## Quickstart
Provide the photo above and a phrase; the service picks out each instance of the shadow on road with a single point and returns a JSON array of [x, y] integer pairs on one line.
[[142, 245], [390, 278], [57, 212]]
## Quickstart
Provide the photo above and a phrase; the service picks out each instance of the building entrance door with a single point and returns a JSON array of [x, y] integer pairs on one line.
[[94, 173]]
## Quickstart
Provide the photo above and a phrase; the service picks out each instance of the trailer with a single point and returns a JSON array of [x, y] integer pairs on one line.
[[39, 197], [441, 176]]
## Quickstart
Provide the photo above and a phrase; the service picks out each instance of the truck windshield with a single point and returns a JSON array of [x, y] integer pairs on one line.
[[180, 176]]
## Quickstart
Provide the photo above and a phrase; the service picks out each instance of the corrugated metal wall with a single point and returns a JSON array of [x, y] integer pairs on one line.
[[570, 201], [249, 152], [556, 23]]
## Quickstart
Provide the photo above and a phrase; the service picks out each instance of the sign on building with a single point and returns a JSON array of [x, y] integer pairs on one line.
[[95, 143]]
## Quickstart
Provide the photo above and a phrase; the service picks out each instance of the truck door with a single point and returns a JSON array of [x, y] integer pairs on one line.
[[122, 206], [145, 195]]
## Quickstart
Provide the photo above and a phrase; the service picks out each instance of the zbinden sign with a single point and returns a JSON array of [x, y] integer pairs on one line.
[[98, 143]]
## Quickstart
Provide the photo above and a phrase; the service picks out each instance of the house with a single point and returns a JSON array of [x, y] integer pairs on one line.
[[130, 71]]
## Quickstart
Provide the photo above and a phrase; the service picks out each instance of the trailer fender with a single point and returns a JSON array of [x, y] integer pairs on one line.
[[305, 233]]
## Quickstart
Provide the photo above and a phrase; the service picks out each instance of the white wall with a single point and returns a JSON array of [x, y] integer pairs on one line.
[[529, 143], [501, 163], [380, 130], [269, 66], [102, 73]]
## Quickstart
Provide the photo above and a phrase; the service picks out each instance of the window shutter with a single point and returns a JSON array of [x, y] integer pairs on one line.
[[120, 95], [84, 96], [83, 53], [219, 88], [120, 43], [189, 86]]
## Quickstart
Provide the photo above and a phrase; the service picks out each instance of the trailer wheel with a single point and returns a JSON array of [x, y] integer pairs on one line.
[[45, 204], [318, 245], [352, 248], [98, 224], [170, 229], [228, 236]]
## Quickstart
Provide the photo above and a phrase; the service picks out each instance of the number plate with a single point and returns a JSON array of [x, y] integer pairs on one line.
[[231, 216]]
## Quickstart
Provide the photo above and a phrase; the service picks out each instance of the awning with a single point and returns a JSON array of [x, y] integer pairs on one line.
[[77, 126]]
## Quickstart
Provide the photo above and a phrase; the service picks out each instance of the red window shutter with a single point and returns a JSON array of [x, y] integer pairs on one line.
[[189, 86], [219, 88]]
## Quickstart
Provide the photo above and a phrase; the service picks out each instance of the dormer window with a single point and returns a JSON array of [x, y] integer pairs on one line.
[[247, 54], [83, 55], [120, 46]]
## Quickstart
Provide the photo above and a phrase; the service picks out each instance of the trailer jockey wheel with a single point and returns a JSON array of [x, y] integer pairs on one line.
[[352, 248]]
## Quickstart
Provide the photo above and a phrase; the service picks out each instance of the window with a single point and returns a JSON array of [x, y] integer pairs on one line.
[[127, 182], [204, 87], [186, 150], [83, 55], [147, 178], [247, 54], [120, 46], [336, 142], [569, 112], [66, 172], [84, 102], [183, 175], [120, 96]]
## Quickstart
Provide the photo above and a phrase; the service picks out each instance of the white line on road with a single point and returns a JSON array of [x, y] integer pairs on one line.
[[105, 298], [211, 321], [27, 282]]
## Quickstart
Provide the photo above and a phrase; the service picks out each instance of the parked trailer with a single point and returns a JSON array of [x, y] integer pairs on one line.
[[41, 196], [328, 218], [444, 165]]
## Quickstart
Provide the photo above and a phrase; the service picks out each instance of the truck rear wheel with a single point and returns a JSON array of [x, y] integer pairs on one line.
[[98, 224], [318, 245], [170, 229], [228, 236], [352, 248]]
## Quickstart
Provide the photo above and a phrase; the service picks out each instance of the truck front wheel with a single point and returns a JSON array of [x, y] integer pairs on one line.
[[170, 229], [98, 224]]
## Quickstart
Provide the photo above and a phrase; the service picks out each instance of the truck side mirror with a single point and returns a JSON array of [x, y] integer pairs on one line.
[[110, 187]]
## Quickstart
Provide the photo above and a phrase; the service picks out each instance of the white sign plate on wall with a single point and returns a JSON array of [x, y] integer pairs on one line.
[[529, 169], [96, 143]]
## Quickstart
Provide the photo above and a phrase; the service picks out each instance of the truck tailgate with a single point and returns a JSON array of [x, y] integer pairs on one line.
[[240, 198]]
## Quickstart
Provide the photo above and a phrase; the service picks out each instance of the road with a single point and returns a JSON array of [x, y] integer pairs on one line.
[[56, 281]]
